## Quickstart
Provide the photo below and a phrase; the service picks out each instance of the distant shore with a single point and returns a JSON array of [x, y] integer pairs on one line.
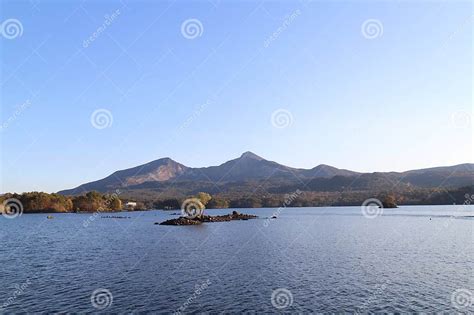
[[90, 202], [175, 210]]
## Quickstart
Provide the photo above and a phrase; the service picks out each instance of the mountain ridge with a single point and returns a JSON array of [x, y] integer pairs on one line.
[[250, 168]]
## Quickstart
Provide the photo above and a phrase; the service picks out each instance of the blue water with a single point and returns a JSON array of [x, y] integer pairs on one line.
[[410, 259]]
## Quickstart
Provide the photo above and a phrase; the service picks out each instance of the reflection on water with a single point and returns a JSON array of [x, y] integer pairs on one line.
[[411, 259]]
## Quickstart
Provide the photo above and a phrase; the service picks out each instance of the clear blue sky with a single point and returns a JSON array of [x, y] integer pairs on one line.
[[399, 101]]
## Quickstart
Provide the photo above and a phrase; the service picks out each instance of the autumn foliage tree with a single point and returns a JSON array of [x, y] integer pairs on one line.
[[44, 202], [204, 198]]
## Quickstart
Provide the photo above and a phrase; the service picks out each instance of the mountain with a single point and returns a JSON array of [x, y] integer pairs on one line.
[[251, 173], [156, 171], [248, 166], [449, 176], [327, 171]]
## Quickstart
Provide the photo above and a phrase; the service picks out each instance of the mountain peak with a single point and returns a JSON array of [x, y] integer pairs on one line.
[[250, 155], [164, 160]]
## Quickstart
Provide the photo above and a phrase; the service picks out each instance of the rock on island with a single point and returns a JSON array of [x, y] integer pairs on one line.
[[207, 218]]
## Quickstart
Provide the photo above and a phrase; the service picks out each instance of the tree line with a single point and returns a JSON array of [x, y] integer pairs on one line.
[[419, 196], [95, 201], [45, 202]]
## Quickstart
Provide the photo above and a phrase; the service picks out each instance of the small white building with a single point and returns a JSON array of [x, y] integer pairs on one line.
[[131, 205]]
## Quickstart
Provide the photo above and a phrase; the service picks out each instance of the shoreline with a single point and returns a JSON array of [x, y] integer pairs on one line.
[[211, 209]]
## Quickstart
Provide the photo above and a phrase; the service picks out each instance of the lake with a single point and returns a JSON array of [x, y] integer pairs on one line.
[[410, 259]]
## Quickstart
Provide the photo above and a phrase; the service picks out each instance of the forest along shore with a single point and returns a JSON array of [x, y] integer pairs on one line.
[[41, 202]]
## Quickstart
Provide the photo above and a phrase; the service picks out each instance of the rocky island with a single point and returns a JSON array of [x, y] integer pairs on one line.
[[207, 218]]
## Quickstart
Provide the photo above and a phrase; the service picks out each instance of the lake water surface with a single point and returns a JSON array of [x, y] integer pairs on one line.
[[411, 259]]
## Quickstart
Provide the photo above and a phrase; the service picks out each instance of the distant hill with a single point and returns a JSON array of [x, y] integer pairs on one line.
[[251, 173]]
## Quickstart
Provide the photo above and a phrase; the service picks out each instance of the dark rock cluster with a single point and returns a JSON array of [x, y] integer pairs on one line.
[[207, 218]]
